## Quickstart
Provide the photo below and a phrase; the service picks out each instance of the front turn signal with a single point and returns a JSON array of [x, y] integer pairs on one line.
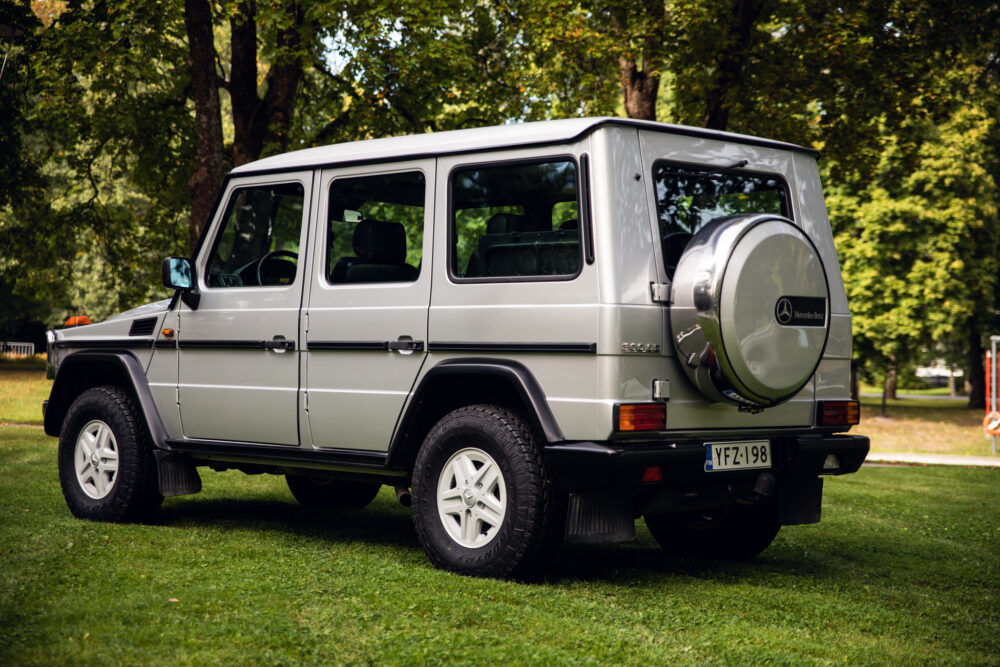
[[838, 413]]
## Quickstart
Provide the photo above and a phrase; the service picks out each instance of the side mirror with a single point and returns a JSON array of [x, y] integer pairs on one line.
[[178, 273]]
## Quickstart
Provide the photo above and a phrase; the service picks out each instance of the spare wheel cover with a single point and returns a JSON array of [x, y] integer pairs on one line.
[[750, 313]]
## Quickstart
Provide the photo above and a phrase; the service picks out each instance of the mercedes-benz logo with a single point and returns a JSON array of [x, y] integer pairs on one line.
[[783, 310]]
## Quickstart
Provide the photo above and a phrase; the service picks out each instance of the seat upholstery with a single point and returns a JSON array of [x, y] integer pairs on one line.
[[381, 255]]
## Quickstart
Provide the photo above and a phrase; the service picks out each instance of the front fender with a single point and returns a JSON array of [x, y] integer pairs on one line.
[[85, 369]]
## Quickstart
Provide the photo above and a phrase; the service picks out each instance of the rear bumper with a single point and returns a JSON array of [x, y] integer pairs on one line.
[[582, 467]]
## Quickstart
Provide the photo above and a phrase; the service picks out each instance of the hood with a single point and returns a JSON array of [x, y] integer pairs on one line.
[[146, 309]]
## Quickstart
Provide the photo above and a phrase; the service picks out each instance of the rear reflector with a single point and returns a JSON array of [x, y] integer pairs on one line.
[[652, 474], [838, 413], [641, 417]]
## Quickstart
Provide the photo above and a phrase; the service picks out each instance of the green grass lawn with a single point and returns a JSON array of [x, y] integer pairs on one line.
[[923, 425], [23, 387], [903, 569]]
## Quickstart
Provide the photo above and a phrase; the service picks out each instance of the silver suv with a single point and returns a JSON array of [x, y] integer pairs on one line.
[[533, 332]]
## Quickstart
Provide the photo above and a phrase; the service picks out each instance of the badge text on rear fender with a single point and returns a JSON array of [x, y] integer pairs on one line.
[[745, 455]]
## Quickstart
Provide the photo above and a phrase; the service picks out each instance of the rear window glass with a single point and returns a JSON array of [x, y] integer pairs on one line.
[[688, 198], [515, 221]]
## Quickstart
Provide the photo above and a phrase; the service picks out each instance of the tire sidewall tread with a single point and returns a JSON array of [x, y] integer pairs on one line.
[[135, 495], [519, 546]]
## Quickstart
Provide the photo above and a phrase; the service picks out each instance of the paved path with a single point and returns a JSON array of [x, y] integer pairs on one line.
[[937, 397], [934, 459]]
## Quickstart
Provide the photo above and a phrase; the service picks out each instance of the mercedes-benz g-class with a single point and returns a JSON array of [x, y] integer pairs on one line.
[[536, 332]]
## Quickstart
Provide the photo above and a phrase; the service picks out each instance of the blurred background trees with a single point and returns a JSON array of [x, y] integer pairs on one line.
[[119, 120]]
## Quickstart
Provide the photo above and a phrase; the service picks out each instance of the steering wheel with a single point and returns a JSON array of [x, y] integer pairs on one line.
[[268, 257]]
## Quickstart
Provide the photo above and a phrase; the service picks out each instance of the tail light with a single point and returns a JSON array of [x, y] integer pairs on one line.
[[838, 413], [640, 417]]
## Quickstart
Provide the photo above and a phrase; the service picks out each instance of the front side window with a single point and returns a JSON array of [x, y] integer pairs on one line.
[[687, 199], [515, 221], [375, 228], [258, 241]]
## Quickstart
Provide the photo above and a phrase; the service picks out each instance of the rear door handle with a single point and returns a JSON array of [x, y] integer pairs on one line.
[[406, 345], [279, 344]]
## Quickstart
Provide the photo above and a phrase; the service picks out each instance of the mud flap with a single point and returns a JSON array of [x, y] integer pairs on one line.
[[599, 517], [177, 475], [800, 500]]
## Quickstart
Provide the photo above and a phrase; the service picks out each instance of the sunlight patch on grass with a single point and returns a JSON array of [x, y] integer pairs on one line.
[[925, 426], [23, 387]]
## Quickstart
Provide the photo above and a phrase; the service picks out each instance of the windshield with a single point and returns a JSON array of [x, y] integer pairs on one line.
[[688, 198]]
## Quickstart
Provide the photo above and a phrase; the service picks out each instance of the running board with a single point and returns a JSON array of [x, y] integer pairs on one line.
[[344, 460]]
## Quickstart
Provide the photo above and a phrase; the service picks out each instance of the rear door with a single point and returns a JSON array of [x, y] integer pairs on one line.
[[366, 320], [237, 352]]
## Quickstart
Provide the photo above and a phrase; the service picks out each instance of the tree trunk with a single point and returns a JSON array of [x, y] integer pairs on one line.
[[263, 124], [952, 391], [888, 387], [891, 380], [639, 88], [977, 371], [639, 72], [248, 113], [206, 174], [282, 85], [885, 392], [731, 60]]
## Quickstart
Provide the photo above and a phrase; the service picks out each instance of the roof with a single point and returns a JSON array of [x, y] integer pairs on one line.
[[549, 132]]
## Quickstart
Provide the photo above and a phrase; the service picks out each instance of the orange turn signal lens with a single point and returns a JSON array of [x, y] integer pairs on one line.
[[838, 413], [641, 417]]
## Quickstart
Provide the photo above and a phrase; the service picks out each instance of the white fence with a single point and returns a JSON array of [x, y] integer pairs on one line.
[[11, 349]]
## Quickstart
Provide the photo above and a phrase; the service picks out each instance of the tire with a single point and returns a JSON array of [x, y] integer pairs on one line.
[[331, 494], [482, 502], [736, 532], [106, 464]]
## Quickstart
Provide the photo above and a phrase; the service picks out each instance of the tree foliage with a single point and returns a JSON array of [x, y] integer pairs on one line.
[[120, 119], [918, 241]]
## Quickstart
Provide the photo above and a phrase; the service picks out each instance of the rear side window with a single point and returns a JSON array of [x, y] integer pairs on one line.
[[687, 199], [375, 228], [515, 221]]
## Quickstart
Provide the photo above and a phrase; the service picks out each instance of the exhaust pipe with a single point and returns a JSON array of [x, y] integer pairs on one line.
[[403, 495], [763, 489]]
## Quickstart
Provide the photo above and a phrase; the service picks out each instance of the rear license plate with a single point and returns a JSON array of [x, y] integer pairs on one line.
[[737, 455]]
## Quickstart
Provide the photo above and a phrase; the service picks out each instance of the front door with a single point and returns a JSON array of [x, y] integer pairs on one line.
[[238, 351], [367, 305]]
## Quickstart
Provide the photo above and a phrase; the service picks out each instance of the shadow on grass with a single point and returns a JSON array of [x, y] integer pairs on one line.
[[638, 563], [383, 523], [379, 523]]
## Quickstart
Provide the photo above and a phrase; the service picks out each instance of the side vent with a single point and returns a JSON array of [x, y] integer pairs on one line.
[[143, 327]]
